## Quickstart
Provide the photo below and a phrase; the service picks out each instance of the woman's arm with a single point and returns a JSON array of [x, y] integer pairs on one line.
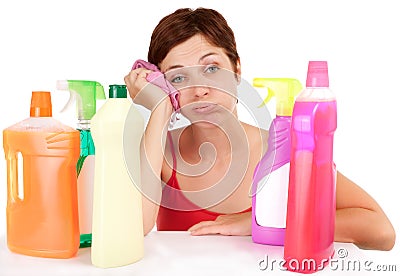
[[359, 218], [152, 156]]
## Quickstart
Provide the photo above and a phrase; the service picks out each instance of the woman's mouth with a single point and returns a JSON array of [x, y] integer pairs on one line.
[[204, 108]]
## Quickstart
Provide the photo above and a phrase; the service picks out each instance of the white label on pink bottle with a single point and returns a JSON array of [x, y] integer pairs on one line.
[[272, 198]]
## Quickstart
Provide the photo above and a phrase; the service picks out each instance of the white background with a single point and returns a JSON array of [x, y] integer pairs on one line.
[[43, 41]]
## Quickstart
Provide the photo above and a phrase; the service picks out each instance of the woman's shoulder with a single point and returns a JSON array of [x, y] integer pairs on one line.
[[255, 132], [257, 136]]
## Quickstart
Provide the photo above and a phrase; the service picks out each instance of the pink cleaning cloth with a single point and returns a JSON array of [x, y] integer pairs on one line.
[[157, 78]]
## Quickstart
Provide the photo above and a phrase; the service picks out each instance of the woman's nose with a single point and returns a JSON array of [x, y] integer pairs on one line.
[[201, 91]]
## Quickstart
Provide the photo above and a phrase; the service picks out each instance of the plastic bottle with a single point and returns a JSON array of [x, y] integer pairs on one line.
[[312, 181], [42, 207], [117, 203], [271, 176], [84, 93]]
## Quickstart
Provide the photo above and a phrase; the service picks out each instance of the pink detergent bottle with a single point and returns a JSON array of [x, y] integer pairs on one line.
[[310, 222]]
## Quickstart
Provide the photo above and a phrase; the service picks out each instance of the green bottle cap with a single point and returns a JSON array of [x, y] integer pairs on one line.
[[117, 91]]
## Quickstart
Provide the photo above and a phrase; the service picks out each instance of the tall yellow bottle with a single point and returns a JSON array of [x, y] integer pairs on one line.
[[117, 226]]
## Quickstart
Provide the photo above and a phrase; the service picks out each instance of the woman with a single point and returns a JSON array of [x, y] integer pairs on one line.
[[205, 165]]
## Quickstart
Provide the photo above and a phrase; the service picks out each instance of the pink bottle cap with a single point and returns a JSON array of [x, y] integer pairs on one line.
[[317, 75]]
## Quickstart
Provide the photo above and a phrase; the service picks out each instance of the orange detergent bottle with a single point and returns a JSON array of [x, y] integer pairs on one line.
[[42, 206]]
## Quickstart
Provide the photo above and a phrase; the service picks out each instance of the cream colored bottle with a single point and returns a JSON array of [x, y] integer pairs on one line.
[[117, 227]]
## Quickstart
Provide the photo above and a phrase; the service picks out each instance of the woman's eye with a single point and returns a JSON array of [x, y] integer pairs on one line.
[[211, 69], [178, 79]]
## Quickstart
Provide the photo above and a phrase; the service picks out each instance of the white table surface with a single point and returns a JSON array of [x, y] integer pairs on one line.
[[179, 253]]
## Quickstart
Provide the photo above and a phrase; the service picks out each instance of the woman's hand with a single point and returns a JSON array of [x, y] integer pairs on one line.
[[143, 92], [229, 225]]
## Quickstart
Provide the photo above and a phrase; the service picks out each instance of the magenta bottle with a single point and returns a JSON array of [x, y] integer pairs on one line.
[[310, 221], [271, 176]]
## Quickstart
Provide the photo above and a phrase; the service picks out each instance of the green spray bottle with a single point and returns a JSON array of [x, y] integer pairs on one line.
[[84, 93]]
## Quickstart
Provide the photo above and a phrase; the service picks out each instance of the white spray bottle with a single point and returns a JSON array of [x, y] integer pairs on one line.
[[84, 93]]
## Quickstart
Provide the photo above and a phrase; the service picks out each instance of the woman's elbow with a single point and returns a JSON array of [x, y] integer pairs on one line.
[[387, 237], [146, 231], [147, 227], [382, 237]]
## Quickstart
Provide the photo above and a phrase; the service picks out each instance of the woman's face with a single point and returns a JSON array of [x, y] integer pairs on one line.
[[205, 78]]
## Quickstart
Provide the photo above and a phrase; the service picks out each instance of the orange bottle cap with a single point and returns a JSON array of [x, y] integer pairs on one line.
[[41, 104]]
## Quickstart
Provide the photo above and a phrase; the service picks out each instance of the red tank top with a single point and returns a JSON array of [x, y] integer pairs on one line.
[[176, 218]]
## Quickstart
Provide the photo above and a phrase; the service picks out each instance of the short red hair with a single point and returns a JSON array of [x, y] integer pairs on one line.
[[183, 24]]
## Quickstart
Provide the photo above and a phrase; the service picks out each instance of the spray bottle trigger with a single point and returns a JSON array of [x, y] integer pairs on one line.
[[260, 82], [63, 85], [268, 98], [71, 100]]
